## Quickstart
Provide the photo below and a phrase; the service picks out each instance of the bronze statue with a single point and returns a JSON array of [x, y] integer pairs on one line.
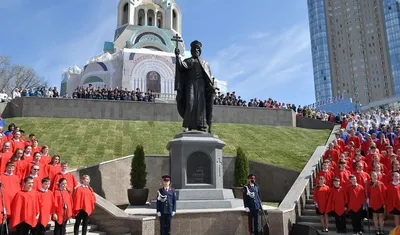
[[195, 89]]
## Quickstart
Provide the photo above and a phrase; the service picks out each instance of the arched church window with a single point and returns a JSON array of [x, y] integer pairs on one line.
[[160, 20], [141, 17], [174, 20], [150, 18], [125, 14]]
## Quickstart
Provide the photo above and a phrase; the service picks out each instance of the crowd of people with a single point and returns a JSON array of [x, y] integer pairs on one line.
[[36, 188], [360, 172], [39, 92], [105, 93]]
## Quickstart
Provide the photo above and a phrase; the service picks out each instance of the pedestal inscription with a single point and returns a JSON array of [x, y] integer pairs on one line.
[[199, 168]]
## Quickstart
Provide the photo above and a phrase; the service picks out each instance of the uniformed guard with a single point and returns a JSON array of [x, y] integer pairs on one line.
[[166, 205], [252, 203]]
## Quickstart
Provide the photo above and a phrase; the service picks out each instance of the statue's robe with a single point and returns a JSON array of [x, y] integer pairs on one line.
[[194, 86]]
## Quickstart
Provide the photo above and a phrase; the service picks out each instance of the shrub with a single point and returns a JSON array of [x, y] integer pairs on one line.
[[241, 168], [138, 169]]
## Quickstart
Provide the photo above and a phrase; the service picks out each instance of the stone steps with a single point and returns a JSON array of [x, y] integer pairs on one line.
[[332, 228], [92, 229]]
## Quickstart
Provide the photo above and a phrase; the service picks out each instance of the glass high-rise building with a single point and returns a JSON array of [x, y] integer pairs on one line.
[[355, 49]]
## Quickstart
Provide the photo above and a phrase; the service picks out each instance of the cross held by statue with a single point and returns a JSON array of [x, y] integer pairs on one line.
[[177, 39]]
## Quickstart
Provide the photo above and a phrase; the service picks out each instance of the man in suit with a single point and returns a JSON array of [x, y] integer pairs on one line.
[[166, 205], [252, 203]]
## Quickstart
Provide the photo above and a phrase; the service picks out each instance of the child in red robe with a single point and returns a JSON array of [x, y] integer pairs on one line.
[[37, 177], [356, 197], [46, 158], [342, 174], [393, 198], [321, 195], [62, 207], [46, 202], [72, 183], [337, 202], [376, 201], [5, 156], [54, 166], [36, 161], [11, 186], [83, 203], [326, 173], [25, 209]]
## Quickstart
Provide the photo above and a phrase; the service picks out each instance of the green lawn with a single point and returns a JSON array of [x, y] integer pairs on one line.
[[83, 141]]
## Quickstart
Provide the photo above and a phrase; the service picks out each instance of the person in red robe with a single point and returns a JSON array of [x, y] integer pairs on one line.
[[72, 183], [28, 154], [343, 174], [337, 202], [332, 152], [47, 209], [362, 176], [355, 139], [62, 207], [31, 138], [35, 146], [11, 186], [356, 197], [19, 163], [83, 204], [17, 142], [25, 209], [365, 146], [321, 195], [3, 212], [393, 198], [46, 158], [54, 166], [376, 201], [382, 142], [326, 173], [5, 156], [340, 141], [381, 174], [36, 161], [358, 160], [37, 178]]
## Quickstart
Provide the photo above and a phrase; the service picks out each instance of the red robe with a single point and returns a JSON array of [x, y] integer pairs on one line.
[[328, 175], [376, 195], [337, 200], [62, 198], [365, 146], [46, 201], [25, 208], [334, 153], [356, 140], [45, 159], [36, 149], [71, 181], [42, 169], [37, 183], [362, 178], [20, 166], [17, 144], [354, 166], [356, 197], [52, 170], [84, 199], [4, 158], [343, 176], [11, 186], [393, 197], [321, 195], [341, 143]]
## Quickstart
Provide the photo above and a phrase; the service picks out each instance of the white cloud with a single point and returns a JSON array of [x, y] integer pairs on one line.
[[267, 62]]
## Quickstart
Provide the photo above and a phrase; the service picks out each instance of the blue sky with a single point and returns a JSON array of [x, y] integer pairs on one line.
[[261, 48]]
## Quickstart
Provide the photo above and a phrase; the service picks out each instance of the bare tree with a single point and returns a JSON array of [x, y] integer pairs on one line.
[[17, 76]]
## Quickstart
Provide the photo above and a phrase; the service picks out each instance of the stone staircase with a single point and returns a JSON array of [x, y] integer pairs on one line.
[[92, 229], [308, 217]]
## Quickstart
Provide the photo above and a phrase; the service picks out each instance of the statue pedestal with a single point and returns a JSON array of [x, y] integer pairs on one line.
[[197, 172]]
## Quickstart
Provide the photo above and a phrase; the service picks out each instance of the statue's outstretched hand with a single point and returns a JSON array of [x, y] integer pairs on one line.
[[177, 51]]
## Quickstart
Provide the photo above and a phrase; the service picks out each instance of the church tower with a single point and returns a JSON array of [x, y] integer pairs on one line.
[[147, 24]]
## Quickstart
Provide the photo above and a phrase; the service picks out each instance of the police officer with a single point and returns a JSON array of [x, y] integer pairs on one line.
[[166, 205], [252, 203]]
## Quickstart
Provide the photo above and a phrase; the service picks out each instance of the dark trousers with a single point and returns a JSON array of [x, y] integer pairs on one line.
[[83, 218], [340, 221], [60, 229], [252, 217], [23, 229], [39, 230], [165, 224], [356, 220]]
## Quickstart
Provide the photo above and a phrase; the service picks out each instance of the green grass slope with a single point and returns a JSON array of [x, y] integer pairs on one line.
[[83, 141]]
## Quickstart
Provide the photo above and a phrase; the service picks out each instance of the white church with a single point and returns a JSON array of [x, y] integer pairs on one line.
[[142, 54]]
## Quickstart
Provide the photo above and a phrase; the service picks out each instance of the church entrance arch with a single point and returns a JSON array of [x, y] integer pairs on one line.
[[153, 81]]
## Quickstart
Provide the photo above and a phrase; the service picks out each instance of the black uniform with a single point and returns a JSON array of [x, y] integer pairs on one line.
[[252, 200], [166, 206]]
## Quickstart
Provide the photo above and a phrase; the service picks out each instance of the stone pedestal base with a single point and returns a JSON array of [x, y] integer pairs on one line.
[[197, 172]]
